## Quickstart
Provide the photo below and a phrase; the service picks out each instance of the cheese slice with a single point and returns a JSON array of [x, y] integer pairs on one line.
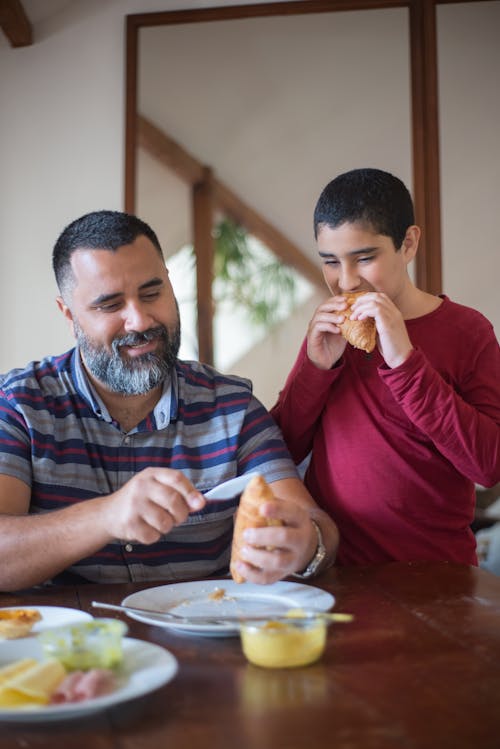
[[31, 684]]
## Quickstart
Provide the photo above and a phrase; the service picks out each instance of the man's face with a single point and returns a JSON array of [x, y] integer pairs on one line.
[[356, 259], [124, 316]]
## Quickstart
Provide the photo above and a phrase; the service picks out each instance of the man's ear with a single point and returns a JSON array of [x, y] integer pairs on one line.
[[67, 313], [410, 243]]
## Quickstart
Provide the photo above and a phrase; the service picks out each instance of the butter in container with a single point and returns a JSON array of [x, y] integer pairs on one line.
[[85, 645], [285, 643]]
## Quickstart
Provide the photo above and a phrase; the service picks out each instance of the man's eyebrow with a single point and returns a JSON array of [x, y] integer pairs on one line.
[[361, 251], [104, 298], [152, 283]]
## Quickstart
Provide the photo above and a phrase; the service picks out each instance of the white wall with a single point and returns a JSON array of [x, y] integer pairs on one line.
[[61, 154], [469, 75]]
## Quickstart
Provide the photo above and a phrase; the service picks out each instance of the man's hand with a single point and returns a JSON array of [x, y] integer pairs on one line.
[[149, 505], [273, 552]]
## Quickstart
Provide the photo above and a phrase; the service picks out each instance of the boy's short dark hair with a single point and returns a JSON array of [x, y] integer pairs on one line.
[[366, 196], [100, 230]]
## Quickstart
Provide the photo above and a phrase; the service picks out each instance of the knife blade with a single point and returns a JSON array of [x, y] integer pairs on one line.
[[222, 619], [229, 489]]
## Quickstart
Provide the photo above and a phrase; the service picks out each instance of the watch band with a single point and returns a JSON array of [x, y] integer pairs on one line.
[[317, 559]]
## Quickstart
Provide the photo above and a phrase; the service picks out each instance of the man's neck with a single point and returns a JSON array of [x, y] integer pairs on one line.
[[127, 410]]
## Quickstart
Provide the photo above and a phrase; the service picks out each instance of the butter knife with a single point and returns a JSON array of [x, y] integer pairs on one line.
[[229, 489], [222, 619]]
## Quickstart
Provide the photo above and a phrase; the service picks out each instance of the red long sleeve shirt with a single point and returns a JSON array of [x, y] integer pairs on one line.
[[394, 453]]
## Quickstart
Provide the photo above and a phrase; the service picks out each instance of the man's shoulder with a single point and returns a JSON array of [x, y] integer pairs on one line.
[[203, 377], [37, 375]]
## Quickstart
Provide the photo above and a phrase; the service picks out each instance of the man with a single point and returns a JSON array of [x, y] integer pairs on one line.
[[398, 437], [105, 451]]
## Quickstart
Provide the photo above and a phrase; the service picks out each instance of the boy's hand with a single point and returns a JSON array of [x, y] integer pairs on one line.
[[325, 344], [393, 341]]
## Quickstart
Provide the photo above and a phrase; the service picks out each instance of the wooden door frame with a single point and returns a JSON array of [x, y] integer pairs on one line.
[[424, 107]]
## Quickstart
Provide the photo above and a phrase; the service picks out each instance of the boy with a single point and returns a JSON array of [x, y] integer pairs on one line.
[[396, 438]]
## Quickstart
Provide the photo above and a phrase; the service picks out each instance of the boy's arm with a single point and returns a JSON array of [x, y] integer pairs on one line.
[[301, 402], [464, 427]]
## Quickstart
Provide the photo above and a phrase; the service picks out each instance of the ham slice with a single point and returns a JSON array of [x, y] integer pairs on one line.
[[84, 685]]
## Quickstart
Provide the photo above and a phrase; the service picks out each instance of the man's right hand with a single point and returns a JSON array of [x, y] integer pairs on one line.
[[325, 344], [149, 505]]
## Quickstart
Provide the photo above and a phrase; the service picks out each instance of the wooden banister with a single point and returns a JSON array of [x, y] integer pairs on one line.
[[172, 155]]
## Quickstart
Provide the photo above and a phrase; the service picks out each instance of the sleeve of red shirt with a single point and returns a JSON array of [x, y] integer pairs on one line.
[[300, 403], [464, 426]]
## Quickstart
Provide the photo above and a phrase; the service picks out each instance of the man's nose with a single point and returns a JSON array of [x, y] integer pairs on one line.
[[136, 317]]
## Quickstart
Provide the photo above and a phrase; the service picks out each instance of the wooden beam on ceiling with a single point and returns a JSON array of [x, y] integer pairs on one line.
[[15, 23]]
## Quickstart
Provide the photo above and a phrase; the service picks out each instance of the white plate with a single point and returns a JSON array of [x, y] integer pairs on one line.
[[246, 599], [52, 616], [145, 667]]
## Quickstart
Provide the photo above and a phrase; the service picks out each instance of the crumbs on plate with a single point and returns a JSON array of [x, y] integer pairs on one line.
[[217, 594]]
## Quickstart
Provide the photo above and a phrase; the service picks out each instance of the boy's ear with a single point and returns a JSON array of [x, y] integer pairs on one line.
[[410, 242], [66, 312]]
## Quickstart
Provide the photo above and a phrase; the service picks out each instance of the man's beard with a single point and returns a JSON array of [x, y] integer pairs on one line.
[[131, 375]]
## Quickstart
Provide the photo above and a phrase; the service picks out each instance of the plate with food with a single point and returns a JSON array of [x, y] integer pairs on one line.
[[218, 599], [16, 621], [34, 687]]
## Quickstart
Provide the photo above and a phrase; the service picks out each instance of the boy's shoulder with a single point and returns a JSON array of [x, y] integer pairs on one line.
[[463, 317], [455, 317]]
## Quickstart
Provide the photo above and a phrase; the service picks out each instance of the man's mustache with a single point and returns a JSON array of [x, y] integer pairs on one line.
[[136, 338]]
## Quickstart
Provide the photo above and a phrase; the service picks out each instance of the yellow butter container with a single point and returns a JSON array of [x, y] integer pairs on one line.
[[284, 644]]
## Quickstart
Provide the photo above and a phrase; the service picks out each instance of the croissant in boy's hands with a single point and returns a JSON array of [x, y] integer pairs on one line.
[[361, 334]]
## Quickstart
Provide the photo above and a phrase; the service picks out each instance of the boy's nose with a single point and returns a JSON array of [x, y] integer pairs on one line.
[[348, 280]]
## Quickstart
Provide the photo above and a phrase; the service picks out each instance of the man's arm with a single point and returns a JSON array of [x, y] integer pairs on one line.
[[34, 548]]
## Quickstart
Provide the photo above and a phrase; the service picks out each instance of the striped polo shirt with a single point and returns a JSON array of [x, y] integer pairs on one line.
[[57, 436]]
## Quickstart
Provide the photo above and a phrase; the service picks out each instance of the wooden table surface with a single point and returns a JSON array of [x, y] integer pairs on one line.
[[419, 667]]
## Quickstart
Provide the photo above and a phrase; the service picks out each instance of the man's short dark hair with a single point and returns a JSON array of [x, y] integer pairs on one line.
[[100, 230], [371, 197]]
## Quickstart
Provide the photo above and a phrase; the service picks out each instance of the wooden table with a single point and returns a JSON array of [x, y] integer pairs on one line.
[[419, 667]]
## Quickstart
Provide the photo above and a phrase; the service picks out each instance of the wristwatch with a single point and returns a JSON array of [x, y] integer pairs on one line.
[[317, 559]]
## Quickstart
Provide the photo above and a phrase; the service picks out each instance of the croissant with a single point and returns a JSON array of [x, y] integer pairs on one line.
[[255, 494], [361, 334], [16, 623]]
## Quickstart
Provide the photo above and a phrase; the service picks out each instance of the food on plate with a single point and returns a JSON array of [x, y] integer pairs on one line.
[[279, 644], [217, 594], [29, 683], [361, 334], [16, 623], [79, 686], [248, 515], [85, 645], [14, 669]]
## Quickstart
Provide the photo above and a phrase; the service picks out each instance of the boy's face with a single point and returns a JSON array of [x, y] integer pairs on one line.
[[356, 259]]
